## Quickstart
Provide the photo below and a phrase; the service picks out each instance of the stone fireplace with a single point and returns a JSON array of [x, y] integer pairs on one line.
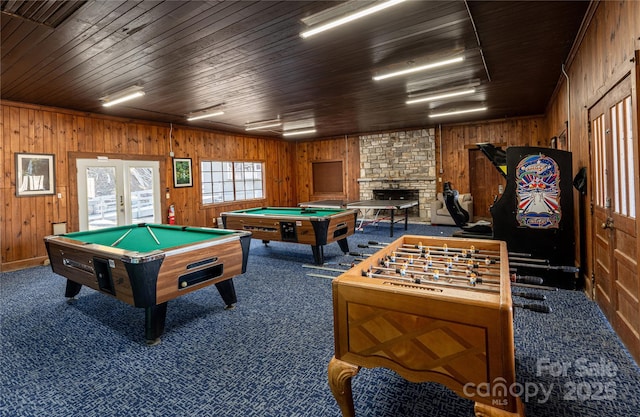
[[399, 163]]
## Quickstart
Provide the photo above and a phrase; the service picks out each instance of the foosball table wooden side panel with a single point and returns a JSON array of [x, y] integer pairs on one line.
[[461, 346], [461, 338]]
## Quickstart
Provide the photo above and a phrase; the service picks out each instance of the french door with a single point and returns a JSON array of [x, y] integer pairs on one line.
[[614, 159], [114, 192]]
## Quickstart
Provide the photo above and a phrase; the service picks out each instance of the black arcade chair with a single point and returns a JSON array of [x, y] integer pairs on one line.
[[481, 229]]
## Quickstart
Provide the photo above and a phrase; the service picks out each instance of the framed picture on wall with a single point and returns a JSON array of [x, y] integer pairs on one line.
[[182, 173], [35, 174]]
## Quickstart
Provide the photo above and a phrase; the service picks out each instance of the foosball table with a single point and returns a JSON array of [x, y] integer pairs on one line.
[[430, 309]]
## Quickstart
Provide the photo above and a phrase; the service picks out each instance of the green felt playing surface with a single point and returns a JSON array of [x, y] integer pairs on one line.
[[140, 239]]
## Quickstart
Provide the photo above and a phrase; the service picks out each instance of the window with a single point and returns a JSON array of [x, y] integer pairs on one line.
[[224, 181]]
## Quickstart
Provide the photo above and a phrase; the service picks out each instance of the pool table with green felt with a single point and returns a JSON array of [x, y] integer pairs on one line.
[[316, 227], [146, 265]]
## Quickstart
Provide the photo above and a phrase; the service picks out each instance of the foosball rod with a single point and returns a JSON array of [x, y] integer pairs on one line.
[[479, 257], [538, 308], [526, 279], [563, 268], [323, 268], [536, 286], [511, 254], [420, 268], [448, 261], [432, 274], [529, 295], [320, 276], [430, 282], [455, 266]]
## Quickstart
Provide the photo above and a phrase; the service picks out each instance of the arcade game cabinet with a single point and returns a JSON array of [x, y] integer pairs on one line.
[[534, 215]]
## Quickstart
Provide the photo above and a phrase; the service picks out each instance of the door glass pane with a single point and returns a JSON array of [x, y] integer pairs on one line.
[[600, 159], [141, 189], [101, 197]]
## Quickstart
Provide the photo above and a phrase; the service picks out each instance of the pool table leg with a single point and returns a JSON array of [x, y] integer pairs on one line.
[[154, 318], [227, 292], [318, 254], [344, 245], [72, 289]]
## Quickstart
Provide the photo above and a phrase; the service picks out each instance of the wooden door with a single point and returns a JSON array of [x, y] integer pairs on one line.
[[614, 158], [486, 183]]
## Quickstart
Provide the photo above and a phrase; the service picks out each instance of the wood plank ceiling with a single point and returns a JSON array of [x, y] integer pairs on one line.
[[248, 58]]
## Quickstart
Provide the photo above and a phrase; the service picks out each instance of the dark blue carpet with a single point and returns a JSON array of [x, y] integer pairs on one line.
[[268, 357]]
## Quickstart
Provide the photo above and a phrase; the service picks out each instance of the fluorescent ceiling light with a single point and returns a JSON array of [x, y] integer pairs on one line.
[[451, 113], [205, 114], [299, 132], [263, 124], [122, 96], [419, 68], [350, 17], [442, 96]]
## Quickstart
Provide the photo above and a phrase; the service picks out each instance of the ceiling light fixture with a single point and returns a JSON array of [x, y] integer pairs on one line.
[[349, 17], [442, 96], [299, 132], [205, 114], [263, 124], [419, 68], [122, 96], [452, 113]]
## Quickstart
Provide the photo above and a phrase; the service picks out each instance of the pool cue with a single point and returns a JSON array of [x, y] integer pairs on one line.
[[121, 237], [153, 235]]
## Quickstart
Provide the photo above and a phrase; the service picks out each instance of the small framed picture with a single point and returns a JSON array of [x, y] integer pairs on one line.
[[182, 173], [35, 174]]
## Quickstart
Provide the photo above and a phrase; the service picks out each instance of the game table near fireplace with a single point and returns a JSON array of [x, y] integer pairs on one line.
[[373, 211]]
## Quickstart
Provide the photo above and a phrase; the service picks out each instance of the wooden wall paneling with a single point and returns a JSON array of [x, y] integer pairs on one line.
[[456, 141], [598, 62], [5, 149], [134, 133], [271, 174], [285, 185], [252, 149], [303, 186], [352, 159], [81, 131]]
